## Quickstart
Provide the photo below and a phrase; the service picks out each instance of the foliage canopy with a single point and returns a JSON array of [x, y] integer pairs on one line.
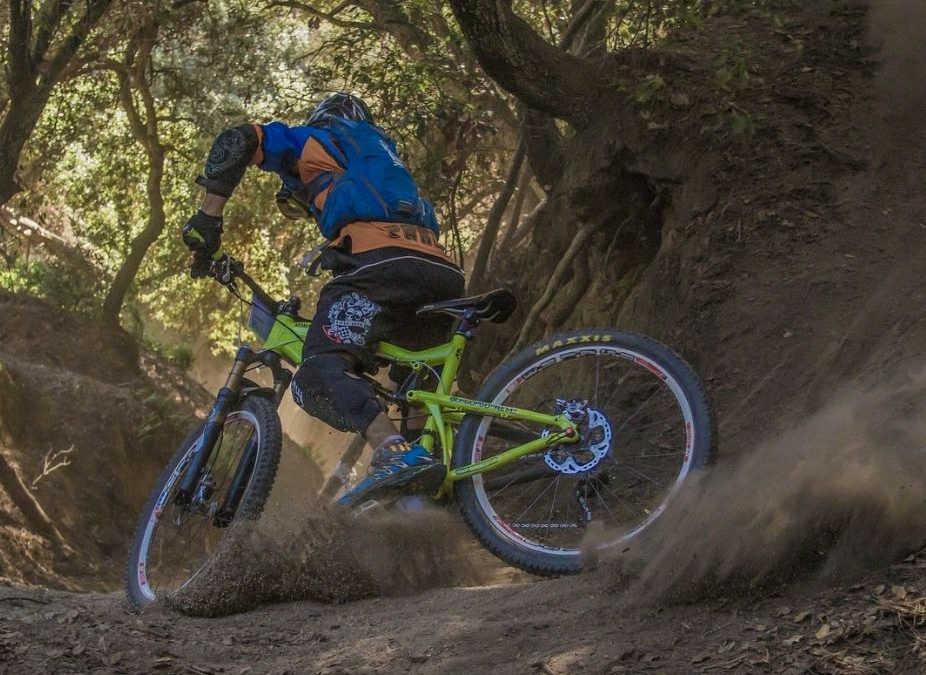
[[155, 80]]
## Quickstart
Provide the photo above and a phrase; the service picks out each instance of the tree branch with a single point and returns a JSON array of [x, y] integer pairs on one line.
[[523, 188], [20, 69], [47, 22], [578, 22], [563, 266], [25, 501], [391, 17], [515, 56], [487, 241], [67, 49], [330, 17]]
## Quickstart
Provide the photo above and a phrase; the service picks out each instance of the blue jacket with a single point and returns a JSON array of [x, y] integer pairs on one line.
[[346, 172]]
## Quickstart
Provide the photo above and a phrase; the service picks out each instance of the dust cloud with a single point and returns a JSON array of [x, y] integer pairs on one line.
[[842, 492], [334, 557]]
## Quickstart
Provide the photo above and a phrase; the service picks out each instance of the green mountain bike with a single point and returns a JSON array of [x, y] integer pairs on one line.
[[592, 425]]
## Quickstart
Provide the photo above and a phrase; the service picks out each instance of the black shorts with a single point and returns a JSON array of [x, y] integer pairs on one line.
[[373, 297]]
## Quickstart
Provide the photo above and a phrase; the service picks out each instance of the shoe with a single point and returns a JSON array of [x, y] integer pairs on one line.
[[397, 465]]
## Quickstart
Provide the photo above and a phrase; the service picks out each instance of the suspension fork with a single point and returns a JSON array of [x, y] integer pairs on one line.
[[226, 513], [239, 482], [224, 401]]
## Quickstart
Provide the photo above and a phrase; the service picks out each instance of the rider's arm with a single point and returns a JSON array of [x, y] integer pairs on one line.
[[301, 152], [232, 151], [289, 151]]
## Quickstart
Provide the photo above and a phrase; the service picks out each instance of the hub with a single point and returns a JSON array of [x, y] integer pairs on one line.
[[594, 439]]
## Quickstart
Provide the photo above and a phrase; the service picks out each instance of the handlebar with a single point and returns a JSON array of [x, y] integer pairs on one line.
[[226, 270]]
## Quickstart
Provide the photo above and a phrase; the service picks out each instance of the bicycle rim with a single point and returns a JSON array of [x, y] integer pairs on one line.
[[178, 542], [544, 502]]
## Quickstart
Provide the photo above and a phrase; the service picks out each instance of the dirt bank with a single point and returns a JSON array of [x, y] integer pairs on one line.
[[87, 422]]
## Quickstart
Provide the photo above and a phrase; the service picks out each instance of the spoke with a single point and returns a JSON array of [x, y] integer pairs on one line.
[[496, 431], [642, 475], [553, 503], [214, 455], [640, 504], [524, 490], [497, 492], [624, 458], [657, 468], [568, 505], [602, 500], [636, 428], [531, 505], [638, 410]]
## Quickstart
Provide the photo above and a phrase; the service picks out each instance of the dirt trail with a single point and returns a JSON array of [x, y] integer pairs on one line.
[[561, 626], [798, 547]]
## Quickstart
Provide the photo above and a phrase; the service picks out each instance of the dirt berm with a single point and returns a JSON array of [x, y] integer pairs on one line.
[[795, 288], [87, 422]]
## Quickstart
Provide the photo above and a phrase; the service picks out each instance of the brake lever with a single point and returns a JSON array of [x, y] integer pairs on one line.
[[222, 270]]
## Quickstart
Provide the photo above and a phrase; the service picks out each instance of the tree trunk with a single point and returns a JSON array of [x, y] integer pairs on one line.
[[15, 128], [522, 193], [112, 304], [539, 74], [133, 76], [33, 73], [495, 218]]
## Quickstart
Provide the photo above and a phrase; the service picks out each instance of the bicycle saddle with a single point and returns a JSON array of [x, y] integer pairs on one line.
[[495, 306]]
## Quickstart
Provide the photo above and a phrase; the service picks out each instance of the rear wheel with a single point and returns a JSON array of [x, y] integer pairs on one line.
[[644, 423], [174, 543]]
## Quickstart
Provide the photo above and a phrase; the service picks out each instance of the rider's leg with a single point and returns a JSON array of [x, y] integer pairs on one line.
[[382, 430], [326, 388], [373, 297]]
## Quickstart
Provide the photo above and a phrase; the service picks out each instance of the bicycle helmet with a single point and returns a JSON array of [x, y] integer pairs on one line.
[[341, 106]]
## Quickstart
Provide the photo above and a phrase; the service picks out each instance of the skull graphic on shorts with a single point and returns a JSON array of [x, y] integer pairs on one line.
[[350, 317]]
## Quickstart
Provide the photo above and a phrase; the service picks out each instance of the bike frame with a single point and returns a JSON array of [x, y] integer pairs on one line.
[[282, 332], [444, 410]]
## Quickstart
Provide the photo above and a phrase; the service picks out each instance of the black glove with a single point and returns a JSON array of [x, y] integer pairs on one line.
[[203, 234], [201, 266]]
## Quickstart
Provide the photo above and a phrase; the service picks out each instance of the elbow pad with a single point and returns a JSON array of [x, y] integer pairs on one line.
[[231, 153]]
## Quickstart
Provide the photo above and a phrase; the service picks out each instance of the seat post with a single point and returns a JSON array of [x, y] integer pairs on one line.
[[467, 324], [452, 365]]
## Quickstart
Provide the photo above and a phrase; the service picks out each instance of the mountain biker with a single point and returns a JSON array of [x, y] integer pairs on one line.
[[381, 247]]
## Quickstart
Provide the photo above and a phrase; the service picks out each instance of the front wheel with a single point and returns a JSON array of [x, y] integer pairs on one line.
[[644, 423], [174, 542]]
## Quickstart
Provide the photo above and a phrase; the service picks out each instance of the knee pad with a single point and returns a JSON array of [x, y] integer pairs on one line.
[[323, 388]]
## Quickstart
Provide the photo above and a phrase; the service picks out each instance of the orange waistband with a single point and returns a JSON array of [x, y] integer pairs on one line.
[[368, 236]]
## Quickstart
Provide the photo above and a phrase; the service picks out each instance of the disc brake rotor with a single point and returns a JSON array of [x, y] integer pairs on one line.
[[594, 440]]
